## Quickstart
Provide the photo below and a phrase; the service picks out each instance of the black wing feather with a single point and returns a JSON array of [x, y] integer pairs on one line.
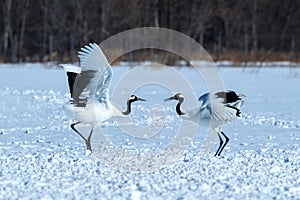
[[71, 81], [80, 83], [228, 96]]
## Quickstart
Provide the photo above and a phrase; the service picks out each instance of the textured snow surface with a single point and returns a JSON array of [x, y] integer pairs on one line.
[[42, 158]]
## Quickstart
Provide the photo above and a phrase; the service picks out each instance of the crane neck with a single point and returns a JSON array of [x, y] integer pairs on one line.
[[178, 109], [128, 110]]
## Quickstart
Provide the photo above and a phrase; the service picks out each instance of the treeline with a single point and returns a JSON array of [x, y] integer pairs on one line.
[[43, 30]]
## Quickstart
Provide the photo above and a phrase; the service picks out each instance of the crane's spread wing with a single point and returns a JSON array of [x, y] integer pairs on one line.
[[205, 106], [93, 81], [224, 112], [222, 106], [72, 72], [102, 91]]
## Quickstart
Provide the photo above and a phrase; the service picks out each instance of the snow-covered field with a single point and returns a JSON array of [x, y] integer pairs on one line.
[[42, 158]]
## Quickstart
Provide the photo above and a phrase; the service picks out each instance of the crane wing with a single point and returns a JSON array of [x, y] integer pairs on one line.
[[93, 81]]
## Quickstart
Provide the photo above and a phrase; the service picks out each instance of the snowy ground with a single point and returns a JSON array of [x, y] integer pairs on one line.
[[42, 158]]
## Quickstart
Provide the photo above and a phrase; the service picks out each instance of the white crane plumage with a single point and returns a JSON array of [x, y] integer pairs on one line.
[[89, 89], [215, 110]]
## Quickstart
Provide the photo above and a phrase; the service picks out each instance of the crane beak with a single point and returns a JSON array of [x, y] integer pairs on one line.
[[169, 99], [140, 99]]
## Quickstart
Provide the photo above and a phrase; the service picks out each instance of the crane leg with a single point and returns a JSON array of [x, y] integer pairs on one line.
[[226, 141], [220, 145], [87, 141]]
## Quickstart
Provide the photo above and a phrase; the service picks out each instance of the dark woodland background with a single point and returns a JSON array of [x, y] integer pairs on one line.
[[237, 30]]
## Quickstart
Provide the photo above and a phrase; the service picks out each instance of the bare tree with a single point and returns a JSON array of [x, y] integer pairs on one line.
[[39, 28], [7, 26], [24, 14], [254, 26]]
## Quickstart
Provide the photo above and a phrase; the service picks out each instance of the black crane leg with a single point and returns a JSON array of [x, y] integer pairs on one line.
[[226, 141], [87, 141], [221, 143]]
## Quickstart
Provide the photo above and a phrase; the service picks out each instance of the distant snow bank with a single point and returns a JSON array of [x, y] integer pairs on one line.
[[224, 63], [55, 65], [258, 64], [50, 65]]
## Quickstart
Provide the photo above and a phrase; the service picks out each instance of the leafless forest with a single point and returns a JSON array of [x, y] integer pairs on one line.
[[45, 30]]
